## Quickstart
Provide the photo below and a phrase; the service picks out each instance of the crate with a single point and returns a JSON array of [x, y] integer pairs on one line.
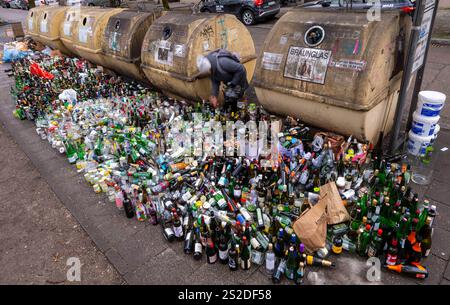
[[11, 31]]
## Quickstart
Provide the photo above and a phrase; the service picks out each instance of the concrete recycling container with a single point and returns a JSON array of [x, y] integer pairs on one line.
[[122, 42], [48, 27], [173, 42], [31, 26], [84, 30], [68, 28], [334, 69]]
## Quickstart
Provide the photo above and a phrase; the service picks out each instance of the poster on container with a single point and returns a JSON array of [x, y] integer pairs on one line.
[[307, 64]]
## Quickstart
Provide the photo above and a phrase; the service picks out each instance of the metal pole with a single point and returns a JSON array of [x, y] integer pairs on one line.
[[420, 72], [417, 20]]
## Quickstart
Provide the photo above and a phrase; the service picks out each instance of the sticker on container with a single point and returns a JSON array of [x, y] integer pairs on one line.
[[350, 64], [307, 64], [283, 39], [67, 28], [180, 50], [44, 26], [272, 61], [297, 35], [205, 45], [163, 55], [83, 33]]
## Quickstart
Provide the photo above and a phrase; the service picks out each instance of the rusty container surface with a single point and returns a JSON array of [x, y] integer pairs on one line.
[[173, 42], [122, 42], [334, 69]]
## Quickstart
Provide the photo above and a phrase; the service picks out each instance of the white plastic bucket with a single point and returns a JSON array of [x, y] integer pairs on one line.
[[417, 144], [424, 125], [430, 103]]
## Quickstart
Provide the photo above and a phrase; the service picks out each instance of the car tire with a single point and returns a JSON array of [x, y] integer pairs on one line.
[[247, 17]]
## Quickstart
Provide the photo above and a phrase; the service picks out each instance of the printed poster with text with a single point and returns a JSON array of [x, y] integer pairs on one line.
[[307, 64]]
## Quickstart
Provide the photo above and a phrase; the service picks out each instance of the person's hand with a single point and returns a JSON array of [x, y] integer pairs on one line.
[[214, 102]]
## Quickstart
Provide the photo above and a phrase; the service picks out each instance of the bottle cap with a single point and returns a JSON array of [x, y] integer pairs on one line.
[[368, 227]]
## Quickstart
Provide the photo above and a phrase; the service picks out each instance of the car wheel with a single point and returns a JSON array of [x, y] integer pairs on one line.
[[247, 17]]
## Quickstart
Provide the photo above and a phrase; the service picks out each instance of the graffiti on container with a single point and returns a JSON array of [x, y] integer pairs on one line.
[[351, 46], [297, 36], [114, 41], [207, 32], [180, 50], [223, 34], [283, 39], [307, 64]]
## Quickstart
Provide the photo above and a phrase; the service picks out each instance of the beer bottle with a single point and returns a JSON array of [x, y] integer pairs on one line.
[[375, 244], [426, 233], [276, 277], [300, 273], [233, 255], [270, 260], [391, 258], [245, 254], [223, 249], [189, 242], [416, 271], [177, 227], [211, 253], [363, 241], [168, 231], [128, 206], [291, 264], [316, 261]]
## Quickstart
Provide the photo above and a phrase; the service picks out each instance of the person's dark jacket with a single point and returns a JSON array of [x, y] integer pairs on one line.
[[231, 72]]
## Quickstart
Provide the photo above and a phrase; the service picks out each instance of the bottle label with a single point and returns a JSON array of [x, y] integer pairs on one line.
[[427, 252], [223, 255], [245, 264], [198, 247], [178, 231], [231, 263], [168, 232], [391, 260], [270, 262], [212, 259]]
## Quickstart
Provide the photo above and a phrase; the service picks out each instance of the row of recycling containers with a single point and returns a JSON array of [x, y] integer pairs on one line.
[[348, 83]]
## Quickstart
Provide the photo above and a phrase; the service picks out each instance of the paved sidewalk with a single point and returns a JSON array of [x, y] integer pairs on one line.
[[37, 233]]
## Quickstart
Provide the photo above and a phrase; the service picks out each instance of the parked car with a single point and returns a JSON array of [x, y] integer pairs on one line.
[[248, 11], [20, 4], [106, 3], [5, 3]]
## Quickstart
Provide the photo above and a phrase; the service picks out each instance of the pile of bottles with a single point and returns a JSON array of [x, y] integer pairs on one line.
[[230, 210]]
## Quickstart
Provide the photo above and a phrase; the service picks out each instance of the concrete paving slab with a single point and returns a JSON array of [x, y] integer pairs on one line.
[[142, 247], [166, 268]]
